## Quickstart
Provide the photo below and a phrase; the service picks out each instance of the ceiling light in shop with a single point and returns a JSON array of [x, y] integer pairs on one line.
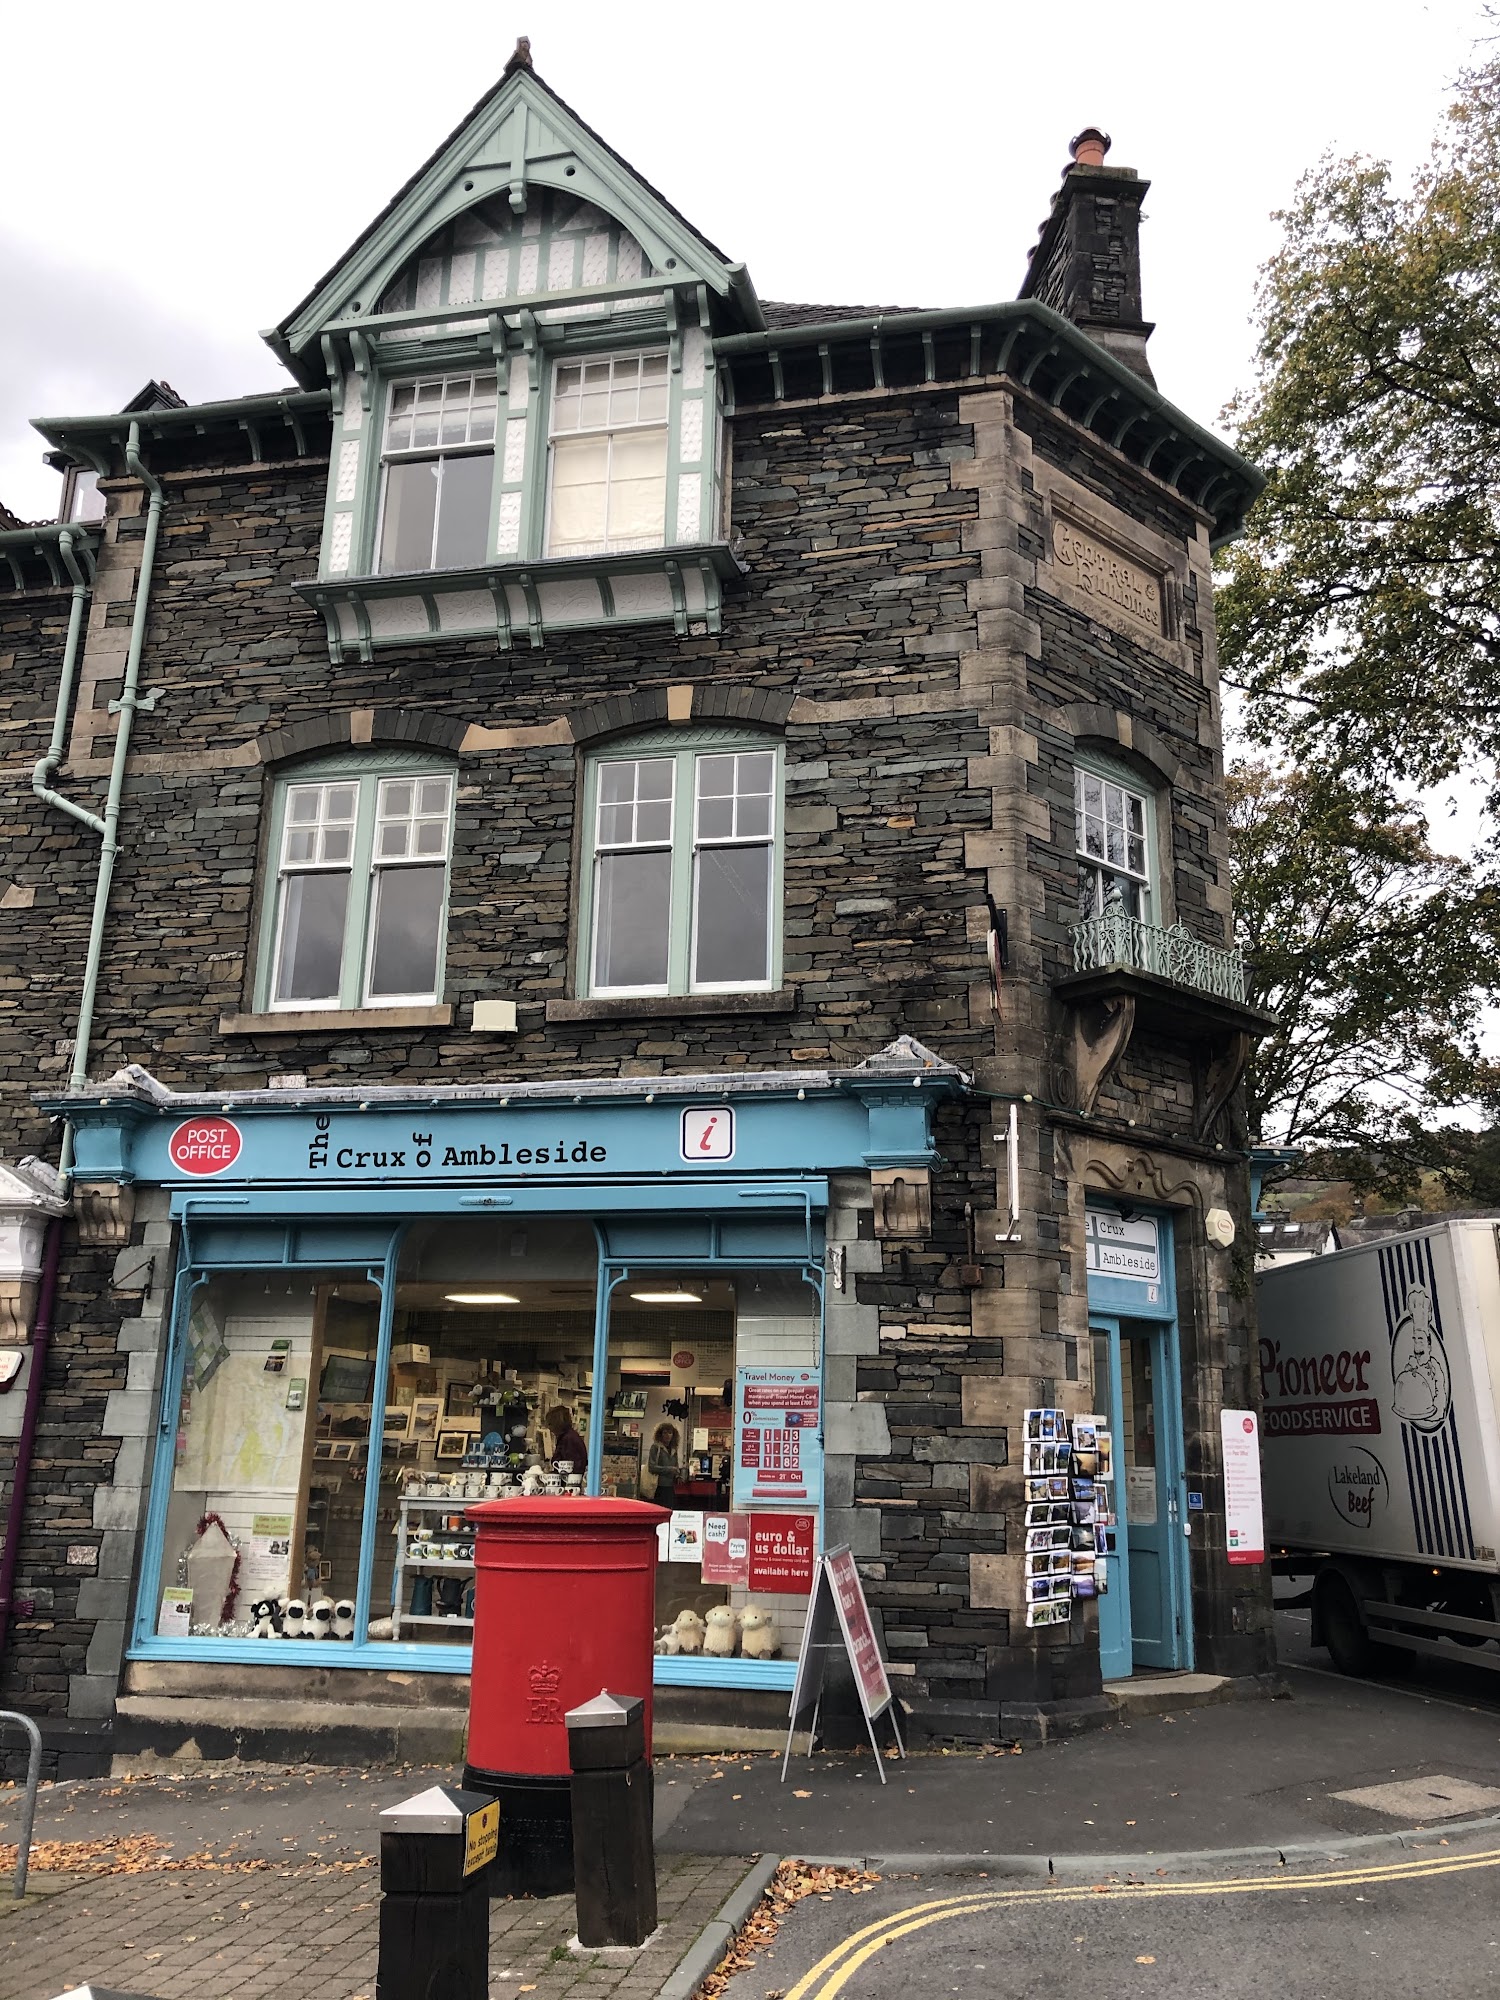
[[481, 1298], [677, 1298]]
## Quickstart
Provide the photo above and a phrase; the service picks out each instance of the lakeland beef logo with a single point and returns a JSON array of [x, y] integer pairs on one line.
[[1323, 1395]]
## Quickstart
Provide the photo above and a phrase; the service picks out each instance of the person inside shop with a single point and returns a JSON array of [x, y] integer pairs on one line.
[[566, 1443], [662, 1464]]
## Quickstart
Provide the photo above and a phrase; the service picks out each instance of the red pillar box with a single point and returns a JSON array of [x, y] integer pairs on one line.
[[564, 1607]]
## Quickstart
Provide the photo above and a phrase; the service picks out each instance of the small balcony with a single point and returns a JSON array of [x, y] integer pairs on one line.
[[1118, 942], [1128, 978]]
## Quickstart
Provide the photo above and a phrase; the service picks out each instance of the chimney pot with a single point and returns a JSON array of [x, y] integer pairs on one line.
[[1089, 148]]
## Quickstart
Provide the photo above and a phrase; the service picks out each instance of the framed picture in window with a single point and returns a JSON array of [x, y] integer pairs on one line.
[[425, 1412], [397, 1422], [452, 1444]]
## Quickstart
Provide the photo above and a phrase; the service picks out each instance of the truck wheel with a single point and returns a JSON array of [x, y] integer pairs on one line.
[[1344, 1631]]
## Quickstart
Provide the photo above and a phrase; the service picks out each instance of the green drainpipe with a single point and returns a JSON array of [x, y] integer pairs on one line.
[[47, 767], [109, 827]]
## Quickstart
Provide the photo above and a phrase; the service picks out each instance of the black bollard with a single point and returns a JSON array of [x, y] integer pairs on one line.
[[435, 1857], [614, 1853]]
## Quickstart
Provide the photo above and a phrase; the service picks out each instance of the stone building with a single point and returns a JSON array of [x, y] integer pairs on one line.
[[622, 846]]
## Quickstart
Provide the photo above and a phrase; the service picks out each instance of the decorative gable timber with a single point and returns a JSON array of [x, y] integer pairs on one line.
[[519, 140]]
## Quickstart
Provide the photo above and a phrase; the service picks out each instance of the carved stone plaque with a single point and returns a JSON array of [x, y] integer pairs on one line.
[[1122, 587]]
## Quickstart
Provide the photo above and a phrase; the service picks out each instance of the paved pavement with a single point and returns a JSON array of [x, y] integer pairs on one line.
[[306, 1931], [1244, 1774], [1421, 1922], [237, 1884]]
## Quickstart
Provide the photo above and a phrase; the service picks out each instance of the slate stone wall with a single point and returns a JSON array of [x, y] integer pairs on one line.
[[896, 626]]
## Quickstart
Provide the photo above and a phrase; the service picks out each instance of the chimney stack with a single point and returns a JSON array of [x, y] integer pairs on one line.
[[1087, 261]]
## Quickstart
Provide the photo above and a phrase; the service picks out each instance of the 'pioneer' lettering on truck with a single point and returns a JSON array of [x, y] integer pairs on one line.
[[1318, 1394]]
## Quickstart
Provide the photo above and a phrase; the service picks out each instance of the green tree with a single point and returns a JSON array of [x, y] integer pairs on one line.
[[1359, 614], [1378, 957]]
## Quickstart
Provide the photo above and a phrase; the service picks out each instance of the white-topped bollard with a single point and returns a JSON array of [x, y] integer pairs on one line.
[[436, 1851]]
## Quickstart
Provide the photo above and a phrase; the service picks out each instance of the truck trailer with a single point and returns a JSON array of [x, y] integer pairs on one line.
[[1380, 1434]]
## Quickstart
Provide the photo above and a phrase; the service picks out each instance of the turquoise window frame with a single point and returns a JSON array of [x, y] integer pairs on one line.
[[640, 1228], [365, 772], [684, 747], [1120, 774]]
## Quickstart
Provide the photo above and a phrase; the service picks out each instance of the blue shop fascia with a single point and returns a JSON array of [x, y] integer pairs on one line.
[[386, 1304]]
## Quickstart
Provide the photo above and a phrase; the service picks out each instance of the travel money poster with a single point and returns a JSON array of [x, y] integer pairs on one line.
[[778, 1437]]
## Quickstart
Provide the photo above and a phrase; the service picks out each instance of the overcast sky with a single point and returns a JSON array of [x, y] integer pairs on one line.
[[179, 175]]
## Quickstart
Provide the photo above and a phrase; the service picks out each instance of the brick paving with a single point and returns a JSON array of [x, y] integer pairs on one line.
[[309, 1933]]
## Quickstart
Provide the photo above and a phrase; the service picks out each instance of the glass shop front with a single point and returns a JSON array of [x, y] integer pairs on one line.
[[342, 1390]]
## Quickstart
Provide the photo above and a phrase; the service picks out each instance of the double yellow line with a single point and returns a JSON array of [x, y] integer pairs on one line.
[[834, 1970]]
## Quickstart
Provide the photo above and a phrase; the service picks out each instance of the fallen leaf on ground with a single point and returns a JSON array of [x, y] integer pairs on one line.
[[801, 1795], [1146, 1958], [792, 1883]]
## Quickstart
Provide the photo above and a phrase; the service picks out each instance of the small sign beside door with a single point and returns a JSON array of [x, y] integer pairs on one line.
[[1244, 1527], [1123, 1247]]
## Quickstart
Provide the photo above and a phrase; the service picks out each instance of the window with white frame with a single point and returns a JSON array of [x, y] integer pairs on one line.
[[682, 889], [1113, 845], [357, 905], [608, 455], [437, 473]]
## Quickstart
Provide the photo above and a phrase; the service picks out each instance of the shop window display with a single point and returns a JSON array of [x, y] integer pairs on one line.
[[263, 1522], [711, 1407], [715, 1413]]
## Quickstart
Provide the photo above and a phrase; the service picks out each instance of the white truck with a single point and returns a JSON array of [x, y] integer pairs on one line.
[[1380, 1369]]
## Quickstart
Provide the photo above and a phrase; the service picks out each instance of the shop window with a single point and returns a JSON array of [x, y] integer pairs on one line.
[[709, 1404], [714, 1411], [682, 884], [1113, 815], [358, 897], [266, 1497], [437, 473], [608, 451]]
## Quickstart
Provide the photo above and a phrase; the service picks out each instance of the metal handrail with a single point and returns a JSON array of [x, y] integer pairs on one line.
[[28, 1810], [1118, 939]]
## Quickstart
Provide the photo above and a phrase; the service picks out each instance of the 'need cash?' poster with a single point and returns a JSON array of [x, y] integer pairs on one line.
[[778, 1437]]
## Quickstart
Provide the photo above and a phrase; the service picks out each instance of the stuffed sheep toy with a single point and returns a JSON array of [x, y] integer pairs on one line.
[[689, 1629], [723, 1632], [319, 1619], [264, 1615], [758, 1639], [294, 1619], [343, 1618], [666, 1643]]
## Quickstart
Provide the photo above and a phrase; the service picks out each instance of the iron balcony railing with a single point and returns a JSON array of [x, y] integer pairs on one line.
[[1117, 939]]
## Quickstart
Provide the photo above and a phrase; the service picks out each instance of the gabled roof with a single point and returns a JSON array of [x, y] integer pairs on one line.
[[520, 134]]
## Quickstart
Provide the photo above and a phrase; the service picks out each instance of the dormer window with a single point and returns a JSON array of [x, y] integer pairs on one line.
[[438, 473], [609, 455]]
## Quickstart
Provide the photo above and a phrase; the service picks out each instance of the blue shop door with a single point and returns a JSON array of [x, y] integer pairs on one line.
[[1150, 1497], [1116, 1658], [1145, 1617]]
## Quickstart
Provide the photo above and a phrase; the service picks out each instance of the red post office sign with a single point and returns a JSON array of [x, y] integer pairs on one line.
[[205, 1146]]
